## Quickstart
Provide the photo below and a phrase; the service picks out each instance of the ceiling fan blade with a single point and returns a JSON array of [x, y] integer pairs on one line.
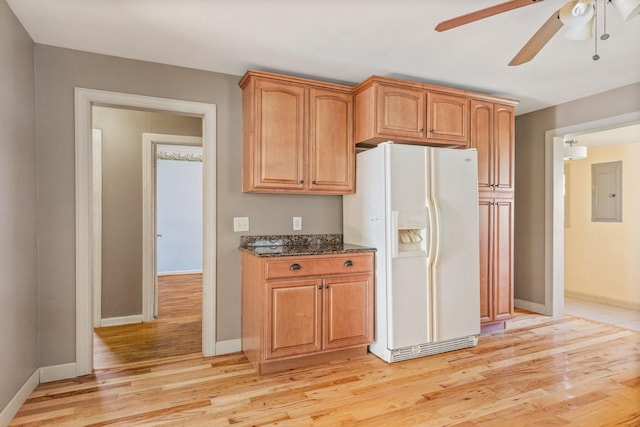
[[483, 13], [539, 40]]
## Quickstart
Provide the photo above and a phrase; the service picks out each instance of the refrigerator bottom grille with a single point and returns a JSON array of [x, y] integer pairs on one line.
[[420, 350]]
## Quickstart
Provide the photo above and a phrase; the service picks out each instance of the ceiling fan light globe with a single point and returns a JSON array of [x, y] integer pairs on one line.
[[585, 32], [627, 8], [567, 13], [579, 8]]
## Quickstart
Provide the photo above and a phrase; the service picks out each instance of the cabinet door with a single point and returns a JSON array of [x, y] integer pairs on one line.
[[294, 310], [400, 112], [503, 157], [331, 159], [482, 140], [485, 212], [503, 259], [348, 310], [278, 157], [447, 119]]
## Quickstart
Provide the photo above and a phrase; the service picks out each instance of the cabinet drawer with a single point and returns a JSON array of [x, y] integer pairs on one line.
[[319, 265]]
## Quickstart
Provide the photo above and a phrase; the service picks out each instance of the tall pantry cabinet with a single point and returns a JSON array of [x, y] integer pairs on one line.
[[492, 134]]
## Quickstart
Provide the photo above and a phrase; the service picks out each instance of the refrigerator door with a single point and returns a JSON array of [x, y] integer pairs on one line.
[[408, 246], [455, 274]]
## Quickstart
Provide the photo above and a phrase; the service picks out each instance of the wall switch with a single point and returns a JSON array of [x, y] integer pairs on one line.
[[240, 223], [297, 223]]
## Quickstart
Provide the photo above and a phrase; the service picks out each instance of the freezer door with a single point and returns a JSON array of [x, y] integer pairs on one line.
[[408, 287]]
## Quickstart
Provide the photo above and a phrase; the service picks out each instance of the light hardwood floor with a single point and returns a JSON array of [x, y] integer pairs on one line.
[[539, 372], [176, 331]]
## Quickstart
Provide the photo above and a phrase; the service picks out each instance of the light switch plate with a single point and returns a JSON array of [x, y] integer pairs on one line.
[[240, 223], [297, 223]]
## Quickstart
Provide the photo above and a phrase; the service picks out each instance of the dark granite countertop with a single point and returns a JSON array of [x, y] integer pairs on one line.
[[299, 244]]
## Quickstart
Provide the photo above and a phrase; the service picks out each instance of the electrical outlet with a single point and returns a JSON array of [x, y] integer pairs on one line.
[[240, 223], [297, 223]]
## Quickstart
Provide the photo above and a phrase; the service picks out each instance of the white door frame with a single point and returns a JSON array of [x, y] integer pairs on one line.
[[84, 228], [97, 226], [149, 219], [554, 209]]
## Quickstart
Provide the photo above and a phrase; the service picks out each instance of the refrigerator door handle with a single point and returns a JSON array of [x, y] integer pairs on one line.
[[395, 215], [434, 258]]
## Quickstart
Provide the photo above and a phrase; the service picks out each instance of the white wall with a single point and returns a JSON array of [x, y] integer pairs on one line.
[[601, 258], [179, 215]]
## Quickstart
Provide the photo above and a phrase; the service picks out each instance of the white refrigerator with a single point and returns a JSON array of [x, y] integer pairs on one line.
[[419, 207]]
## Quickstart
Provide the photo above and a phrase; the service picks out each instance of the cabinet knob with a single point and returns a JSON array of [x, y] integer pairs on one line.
[[432, 130], [313, 182], [326, 286], [302, 181], [421, 130], [348, 263], [295, 267]]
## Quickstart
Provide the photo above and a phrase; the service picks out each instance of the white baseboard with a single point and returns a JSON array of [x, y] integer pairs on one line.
[[530, 306], [124, 320], [16, 402], [629, 305], [226, 347], [177, 273], [58, 372]]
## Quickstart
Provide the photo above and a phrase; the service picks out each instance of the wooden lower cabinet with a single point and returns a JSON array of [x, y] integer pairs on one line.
[[496, 261], [318, 308]]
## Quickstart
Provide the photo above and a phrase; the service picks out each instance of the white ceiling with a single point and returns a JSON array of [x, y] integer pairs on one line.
[[347, 41]]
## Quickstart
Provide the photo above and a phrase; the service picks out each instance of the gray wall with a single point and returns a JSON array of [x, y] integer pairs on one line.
[[122, 131], [18, 280], [58, 71], [530, 169]]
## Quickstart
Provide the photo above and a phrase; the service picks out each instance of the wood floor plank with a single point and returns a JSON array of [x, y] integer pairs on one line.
[[540, 371]]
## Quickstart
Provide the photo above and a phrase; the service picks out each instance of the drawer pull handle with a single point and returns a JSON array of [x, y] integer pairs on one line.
[[348, 263], [295, 267]]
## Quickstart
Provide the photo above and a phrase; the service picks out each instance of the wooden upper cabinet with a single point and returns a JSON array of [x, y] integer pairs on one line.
[[482, 141], [447, 118], [400, 112], [279, 136], [297, 135], [492, 134], [389, 109], [503, 140], [331, 156]]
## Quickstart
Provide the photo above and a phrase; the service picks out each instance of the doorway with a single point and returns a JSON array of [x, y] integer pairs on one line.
[[602, 222], [84, 100], [150, 233], [554, 207]]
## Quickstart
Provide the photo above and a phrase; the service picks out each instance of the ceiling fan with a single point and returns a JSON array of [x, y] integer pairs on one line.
[[577, 15]]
